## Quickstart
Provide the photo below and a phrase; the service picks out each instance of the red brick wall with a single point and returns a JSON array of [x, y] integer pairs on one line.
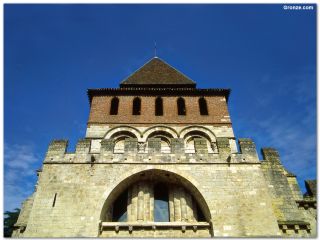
[[100, 110]]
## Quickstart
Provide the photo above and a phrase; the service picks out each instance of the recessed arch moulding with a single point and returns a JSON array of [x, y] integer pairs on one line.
[[152, 175], [143, 133]]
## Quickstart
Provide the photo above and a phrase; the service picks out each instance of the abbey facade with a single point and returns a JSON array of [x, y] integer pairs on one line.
[[160, 159]]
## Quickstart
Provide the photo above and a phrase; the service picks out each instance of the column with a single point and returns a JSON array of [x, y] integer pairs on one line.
[[140, 202], [190, 216], [183, 204], [134, 203], [177, 205]]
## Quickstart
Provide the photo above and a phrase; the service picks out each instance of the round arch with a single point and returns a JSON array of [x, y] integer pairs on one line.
[[199, 129], [124, 128], [159, 128], [130, 177]]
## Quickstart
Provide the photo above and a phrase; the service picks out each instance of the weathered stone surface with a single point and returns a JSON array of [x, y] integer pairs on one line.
[[154, 145], [244, 197], [311, 186], [107, 146], [177, 145]]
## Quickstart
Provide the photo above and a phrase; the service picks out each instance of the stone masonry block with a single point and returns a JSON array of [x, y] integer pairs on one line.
[[247, 147], [271, 155], [154, 145], [107, 146], [131, 145], [83, 150], [177, 145], [83, 146], [56, 150], [200, 145], [311, 186], [223, 145]]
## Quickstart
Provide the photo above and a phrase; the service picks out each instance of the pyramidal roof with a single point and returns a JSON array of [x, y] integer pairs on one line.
[[157, 73]]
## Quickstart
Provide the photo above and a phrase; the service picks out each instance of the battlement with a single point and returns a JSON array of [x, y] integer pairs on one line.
[[151, 151], [57, 150], [271, 155]]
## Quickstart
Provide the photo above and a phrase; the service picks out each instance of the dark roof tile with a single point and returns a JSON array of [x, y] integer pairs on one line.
[[157, 72]]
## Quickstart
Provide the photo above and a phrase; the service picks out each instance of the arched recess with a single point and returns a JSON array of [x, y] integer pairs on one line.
[[190, 142], [119, 139], [203, 130], [159, 174], [123, 129], [165, 138], [170, 132]]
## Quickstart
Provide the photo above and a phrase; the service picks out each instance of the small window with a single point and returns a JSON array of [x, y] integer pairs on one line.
[[181, 106], [136, 110], [114, 106], [203, 106], [159, 106]]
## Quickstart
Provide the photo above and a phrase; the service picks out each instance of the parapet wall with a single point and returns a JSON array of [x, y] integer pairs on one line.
[[135, 152]]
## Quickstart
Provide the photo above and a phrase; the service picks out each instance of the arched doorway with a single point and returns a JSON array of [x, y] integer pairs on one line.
[[157, 202]]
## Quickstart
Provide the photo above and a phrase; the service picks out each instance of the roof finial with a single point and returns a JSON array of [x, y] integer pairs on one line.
[[155, 49]]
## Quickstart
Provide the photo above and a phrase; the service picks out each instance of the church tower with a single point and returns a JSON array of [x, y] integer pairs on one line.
[[160, 159]]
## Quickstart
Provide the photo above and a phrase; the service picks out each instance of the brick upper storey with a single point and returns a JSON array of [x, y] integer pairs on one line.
[[155, 94]]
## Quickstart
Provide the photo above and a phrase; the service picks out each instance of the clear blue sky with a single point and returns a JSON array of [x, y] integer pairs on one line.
[[53, 53]]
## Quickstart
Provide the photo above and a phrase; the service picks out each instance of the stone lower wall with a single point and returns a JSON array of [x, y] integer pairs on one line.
[[70, 198]]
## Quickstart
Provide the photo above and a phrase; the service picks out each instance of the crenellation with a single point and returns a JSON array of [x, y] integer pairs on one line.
[[247, 147], [271, 155], [177, 145], [107, 146], [223, 145], [56, 150], [131, 145], [83, 150], [154, 145]]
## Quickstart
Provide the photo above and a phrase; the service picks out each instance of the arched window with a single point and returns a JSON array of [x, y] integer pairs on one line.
[[181, 106], [159, 106], [114, 106], [161, 203], [203, 106], [136, 109]]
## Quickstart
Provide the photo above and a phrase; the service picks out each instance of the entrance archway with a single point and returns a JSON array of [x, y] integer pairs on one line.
[[186, 207]]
